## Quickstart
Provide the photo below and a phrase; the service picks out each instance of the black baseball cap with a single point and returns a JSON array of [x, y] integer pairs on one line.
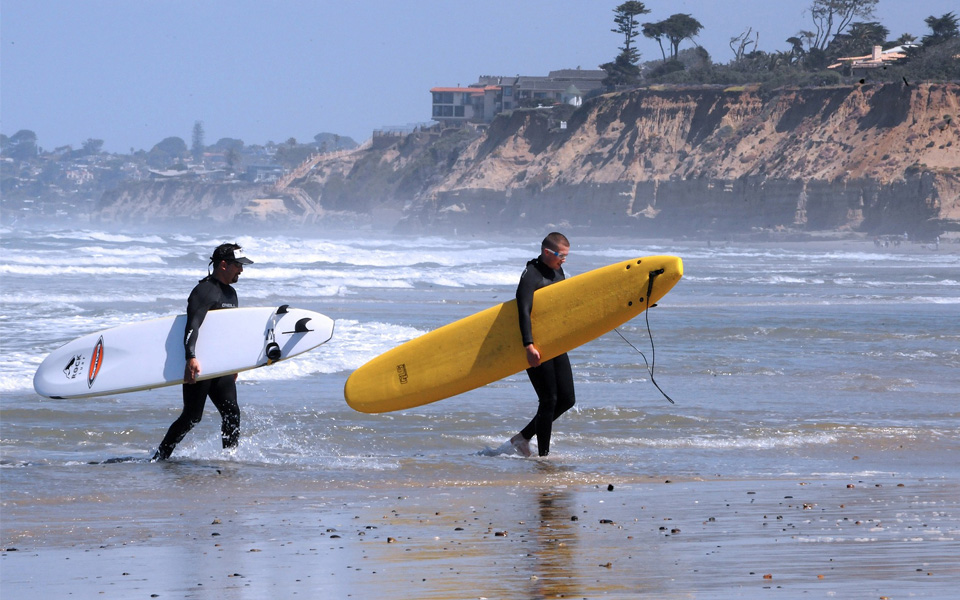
[[230, 252]]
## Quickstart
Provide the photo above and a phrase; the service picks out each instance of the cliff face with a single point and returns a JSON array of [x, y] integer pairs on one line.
[[877, 159], [151, 202], [873, 159]]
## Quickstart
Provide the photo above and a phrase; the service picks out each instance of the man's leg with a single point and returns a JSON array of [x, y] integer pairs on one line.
[[194, 397], [563, 376], [544, 383], [223, 394]]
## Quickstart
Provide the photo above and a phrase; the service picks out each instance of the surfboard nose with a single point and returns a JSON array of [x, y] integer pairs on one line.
[[665, 272], [678, 265], [667, 266]]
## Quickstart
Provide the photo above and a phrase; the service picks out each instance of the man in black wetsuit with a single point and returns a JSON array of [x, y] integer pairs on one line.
[[214, 292], [551, 379]]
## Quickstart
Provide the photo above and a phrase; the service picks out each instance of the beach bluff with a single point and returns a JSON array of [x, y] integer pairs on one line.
[[874, 159]]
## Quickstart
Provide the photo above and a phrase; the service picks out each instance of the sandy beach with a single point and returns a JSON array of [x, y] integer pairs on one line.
[[553, 536]]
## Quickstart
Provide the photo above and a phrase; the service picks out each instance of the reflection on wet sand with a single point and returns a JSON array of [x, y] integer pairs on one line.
[[555, 546]]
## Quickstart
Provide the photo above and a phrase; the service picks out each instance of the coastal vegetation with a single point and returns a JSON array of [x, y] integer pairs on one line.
[[838, 29]]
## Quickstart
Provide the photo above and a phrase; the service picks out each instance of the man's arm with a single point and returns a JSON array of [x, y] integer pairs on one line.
[[198, 305], [525, 290]]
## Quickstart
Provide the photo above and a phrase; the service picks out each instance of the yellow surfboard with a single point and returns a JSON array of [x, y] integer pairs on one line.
[[486, 347]]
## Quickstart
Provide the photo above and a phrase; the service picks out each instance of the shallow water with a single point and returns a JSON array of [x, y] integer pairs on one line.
[[807, 361]]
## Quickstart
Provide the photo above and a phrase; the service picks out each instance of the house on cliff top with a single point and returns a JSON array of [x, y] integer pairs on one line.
[[877, 59], [491, 95]]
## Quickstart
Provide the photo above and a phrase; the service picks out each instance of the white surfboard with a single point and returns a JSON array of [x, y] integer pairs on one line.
[[149, 354]]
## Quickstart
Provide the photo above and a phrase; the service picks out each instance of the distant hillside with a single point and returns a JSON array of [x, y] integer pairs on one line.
[[698, 161]]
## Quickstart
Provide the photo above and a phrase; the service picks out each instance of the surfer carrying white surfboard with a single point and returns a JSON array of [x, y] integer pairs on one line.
[[552, 379], [214, 292]]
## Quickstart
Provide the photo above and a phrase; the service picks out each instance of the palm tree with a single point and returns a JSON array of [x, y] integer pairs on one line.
[[859, 39]]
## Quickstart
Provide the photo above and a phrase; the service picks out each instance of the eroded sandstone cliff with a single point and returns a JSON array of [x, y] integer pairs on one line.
[[872, 159], [876, 159]]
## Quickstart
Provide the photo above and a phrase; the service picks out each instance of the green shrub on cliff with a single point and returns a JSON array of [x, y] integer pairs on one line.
[[936, 63]]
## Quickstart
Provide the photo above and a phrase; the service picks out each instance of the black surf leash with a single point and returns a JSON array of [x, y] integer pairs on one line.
[[653, 350]]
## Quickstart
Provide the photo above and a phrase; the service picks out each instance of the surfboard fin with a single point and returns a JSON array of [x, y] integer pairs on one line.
[[283, 309], [300, 327]]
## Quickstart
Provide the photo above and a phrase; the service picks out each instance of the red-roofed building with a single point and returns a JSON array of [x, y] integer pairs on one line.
[[457, 104], [482, 101]]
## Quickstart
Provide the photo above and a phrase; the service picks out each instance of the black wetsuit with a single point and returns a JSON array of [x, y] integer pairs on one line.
[[209, 294], [553, 379]]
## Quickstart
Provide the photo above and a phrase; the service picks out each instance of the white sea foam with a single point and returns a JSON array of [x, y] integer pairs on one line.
[[93, 269], [16, 371], [725, 442], [84, 257], [103, 236], [374, 253], [753, 314], [937, 299], [354, 343], [105, 297]]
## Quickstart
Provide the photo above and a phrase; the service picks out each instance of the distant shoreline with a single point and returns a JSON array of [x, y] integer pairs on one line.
[[818, 240]]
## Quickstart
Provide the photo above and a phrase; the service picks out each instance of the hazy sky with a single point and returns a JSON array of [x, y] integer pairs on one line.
[[132, 72]]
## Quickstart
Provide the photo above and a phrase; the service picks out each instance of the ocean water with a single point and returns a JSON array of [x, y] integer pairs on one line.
[[808, 361]]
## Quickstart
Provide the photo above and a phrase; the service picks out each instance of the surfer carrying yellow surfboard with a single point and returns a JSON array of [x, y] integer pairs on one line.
[[552, 379]]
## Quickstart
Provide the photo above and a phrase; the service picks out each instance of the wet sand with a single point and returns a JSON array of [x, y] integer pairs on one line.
[[543, 538]]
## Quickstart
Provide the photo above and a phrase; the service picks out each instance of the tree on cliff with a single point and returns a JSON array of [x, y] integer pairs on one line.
[[334, 141], [655, 31], [626, 20], [196, 148], [291, 154], [797, 52], [942, 29], [832, 17], [20, 146], [224, 144], [167, 152], [859, 39], [620, 72], [231, 149], [232, 157], [624, 70], [936, 58], [92, 146], [680, 27], [742, 42], [675, 29]]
